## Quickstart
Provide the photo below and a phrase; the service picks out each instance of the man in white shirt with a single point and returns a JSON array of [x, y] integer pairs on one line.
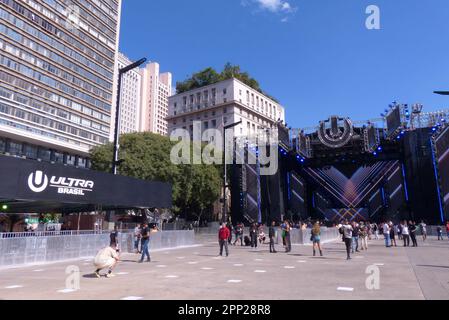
[[106, 258], [405, 234]]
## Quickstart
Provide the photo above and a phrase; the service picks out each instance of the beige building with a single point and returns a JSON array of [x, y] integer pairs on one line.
[[223, 103], [156, 90]]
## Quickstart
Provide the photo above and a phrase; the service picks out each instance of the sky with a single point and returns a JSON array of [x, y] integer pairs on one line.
[[315, 56]]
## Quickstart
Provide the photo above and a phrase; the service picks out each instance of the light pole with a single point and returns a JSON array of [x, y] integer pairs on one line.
[[225, 179], [121, 72]]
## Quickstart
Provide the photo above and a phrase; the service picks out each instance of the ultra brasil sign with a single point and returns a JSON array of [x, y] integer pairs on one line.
[[38, 182]]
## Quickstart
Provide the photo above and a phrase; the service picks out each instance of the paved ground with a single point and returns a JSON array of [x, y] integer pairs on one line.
[[197, 273]]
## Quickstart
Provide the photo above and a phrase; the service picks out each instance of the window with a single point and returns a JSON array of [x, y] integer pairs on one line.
[[225, 91]]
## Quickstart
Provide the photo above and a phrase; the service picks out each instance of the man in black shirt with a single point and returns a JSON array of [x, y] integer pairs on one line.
[[114, 238], [145, 243], [412, 228], [271, 235]]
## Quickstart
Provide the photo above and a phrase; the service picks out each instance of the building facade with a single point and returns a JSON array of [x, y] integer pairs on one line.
[[224, 103], [157, 88], [131, 92], [57, 77]]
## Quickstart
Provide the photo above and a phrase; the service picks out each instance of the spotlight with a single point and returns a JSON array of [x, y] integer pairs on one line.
[[4, 207], [379, 149], [375, 154]]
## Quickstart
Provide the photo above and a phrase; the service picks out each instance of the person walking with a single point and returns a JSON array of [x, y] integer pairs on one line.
[[376, 231], [253, 234], [412, 227], [423, 229], [238, 234], [316, 239], [405, 234], [223, 238], [398, 230], [346, 230], [272, 235], [137, 236], [114, 238], [363, 235], [386, 232], [231, 229], [447, 229], [145, 243], [106, 258], [286, 230], [355, 237], [440, 233], [393, 234]]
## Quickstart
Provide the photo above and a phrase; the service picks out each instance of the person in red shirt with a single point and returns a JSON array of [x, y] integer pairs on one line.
[[223, 237]]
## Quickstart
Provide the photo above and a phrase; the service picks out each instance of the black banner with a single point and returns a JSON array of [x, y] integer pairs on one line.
[[28, 180]]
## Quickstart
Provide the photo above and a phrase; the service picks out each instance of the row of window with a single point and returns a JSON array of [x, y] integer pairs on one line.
[[93, 21], [56, 44], [48, 81], [43, 93], [49, 27], [49, 123], [42, 133], [33, 152], [13, 50], [37, 48], [35, 105]]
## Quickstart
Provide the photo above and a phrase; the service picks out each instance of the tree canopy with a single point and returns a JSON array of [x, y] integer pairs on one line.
[[210, 76], [147, 156]]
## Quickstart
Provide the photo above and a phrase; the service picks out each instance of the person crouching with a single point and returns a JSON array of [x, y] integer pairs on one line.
[[106, 258]]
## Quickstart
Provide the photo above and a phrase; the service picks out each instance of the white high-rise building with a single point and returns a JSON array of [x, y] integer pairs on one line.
[[223, 103], [156, 89], [131, 93]]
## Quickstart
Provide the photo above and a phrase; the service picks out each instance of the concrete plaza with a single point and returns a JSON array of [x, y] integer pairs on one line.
[[197, 273]]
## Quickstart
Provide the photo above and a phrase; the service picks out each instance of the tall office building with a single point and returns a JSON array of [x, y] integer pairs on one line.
[[131, 92], [223, 103], [57, 77], [157, 88]]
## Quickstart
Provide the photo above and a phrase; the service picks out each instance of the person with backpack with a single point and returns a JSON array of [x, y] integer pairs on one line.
[[286, 232], [363, 234], [440, 233], [253, 234], [412, 227], [238, 234], [346, 230]]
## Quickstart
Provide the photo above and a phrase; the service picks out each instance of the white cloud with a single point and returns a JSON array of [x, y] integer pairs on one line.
[[275, 5], [280, 7]]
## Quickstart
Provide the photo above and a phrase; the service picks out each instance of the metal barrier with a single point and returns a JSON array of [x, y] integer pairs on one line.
[[8, 235], [15, 251], [302, 236]]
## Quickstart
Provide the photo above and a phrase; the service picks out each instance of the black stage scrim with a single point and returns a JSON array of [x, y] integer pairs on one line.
[[442, 155], [395, 190], [297, 196]]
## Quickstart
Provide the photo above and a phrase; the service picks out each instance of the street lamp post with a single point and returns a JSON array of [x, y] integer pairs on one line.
[[121, 72], [225, 179]]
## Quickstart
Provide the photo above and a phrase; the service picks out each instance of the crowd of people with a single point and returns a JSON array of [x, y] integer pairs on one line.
[[355, 235]]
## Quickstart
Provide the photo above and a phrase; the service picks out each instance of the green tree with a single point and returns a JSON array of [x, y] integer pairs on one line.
[[147, 156]]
